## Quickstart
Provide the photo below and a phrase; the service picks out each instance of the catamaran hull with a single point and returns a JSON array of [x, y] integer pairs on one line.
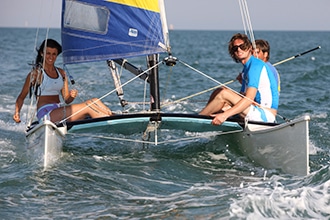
[[284, 147], [273, 146], [45, 143]]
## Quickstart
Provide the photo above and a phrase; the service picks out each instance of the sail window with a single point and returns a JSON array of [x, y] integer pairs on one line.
[[86, 17]]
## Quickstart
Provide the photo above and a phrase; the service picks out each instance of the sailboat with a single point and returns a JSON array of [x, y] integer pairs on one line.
[[120, 29]]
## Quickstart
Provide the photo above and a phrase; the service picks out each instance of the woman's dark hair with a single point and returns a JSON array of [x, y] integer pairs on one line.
[[247, 44], [49, 43]]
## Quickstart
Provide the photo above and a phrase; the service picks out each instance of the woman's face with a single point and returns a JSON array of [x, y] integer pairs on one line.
[[51, 55]]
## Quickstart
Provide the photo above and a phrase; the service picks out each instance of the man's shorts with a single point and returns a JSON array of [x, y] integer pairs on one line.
[[258, 114]]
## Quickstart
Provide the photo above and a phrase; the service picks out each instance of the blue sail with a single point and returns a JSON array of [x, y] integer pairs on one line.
[[96, 30]]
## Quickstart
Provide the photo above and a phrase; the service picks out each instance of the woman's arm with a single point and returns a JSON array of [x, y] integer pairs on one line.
[[68, 95], [20, 99]]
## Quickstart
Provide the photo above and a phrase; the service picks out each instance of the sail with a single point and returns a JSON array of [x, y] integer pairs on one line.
[[96, 30]]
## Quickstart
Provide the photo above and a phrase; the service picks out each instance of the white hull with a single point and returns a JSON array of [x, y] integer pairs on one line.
[[284, 147], [44, 143]]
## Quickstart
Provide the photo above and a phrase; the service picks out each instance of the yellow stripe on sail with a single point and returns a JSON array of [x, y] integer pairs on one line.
[[150, 5]]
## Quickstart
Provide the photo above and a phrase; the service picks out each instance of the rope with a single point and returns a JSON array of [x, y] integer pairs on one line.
[[111, 138], [219, 85], [32, 107], [218, 82], [200, 136], [196, 94], [212, 134], [112, 91], [247, 21], [248, 27], [241, 9]]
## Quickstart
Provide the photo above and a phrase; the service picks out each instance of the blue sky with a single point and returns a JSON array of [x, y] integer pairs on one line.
[[191, 14]]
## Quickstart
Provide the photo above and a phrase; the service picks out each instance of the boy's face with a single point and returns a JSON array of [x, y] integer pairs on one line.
[[260, 55]]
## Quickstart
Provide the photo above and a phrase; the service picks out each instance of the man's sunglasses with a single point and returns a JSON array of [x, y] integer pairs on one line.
[[241, 46]]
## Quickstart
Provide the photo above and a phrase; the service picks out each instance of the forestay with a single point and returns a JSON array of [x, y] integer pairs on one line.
[[96, 30]]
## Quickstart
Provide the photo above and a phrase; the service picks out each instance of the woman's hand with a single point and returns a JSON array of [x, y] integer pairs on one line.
[[71, 96], [73, 93], [16, 117]]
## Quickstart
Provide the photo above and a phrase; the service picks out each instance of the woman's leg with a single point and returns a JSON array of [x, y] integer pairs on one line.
[[93, 108], [98, 106]]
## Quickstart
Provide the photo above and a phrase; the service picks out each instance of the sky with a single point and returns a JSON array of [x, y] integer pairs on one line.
[[311, 15]]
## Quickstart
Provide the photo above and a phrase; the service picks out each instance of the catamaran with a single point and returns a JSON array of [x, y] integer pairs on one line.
[[117, 30]]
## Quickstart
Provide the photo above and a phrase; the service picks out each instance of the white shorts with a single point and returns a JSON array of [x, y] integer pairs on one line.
[[258, 114]]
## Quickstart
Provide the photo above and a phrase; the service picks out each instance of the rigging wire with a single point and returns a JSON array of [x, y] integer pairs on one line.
[[195, 94], [246, 19], [247, 24], [156, 142], [219, 85], [112, 91], [32, 110], [242, 16]]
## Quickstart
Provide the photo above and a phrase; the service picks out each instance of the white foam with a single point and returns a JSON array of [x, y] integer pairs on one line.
[[282, 202]]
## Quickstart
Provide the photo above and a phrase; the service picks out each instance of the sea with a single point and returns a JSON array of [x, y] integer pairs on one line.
[[98, 178]]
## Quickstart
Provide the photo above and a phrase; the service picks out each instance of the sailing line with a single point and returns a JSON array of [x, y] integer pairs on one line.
[[112, 91], [204, 135], [233, 80]]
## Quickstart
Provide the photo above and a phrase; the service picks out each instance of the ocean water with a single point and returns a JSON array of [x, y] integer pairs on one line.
[[101, 179]]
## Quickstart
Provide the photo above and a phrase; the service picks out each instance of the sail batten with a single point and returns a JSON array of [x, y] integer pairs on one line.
[[96, 30]]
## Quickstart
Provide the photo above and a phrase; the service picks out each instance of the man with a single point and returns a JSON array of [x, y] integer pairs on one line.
[[258, 98], [262, 52]]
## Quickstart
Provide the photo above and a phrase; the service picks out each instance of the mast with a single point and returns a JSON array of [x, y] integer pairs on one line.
[[152, 60]]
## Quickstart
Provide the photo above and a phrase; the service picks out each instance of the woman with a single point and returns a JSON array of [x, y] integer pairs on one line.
[[50, 84]]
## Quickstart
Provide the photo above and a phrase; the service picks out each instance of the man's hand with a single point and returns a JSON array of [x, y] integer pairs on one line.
[[218, 119]]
